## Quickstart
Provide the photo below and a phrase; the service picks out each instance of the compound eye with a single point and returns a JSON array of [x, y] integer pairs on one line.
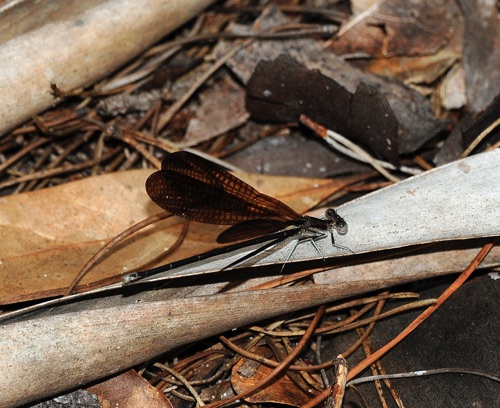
[[331, 214], [341, 227]]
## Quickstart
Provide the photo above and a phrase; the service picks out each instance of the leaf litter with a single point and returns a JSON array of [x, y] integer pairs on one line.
[[90, 134]]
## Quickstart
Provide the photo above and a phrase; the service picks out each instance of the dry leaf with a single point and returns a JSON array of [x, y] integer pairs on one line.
[[282, 90], [129, 390], [389, 28], [416, 70], [42, 254], [222, 108], [246, 373]]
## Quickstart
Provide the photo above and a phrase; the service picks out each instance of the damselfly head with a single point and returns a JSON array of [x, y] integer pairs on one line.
[[335, 221]]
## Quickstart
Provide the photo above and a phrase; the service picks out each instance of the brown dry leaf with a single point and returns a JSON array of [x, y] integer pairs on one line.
[[246, 373], [283, 89], [389, 28], [48, 235], [222, 108], [129, 390], [415, 70], [451, 90]]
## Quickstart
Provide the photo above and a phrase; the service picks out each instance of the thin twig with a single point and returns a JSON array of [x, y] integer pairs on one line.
[[185, 383], [421, 373], [283, 365], [479, 138], [59, 170], [413, 325]]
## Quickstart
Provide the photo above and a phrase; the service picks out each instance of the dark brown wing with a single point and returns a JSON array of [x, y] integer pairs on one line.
[[194, 188]]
